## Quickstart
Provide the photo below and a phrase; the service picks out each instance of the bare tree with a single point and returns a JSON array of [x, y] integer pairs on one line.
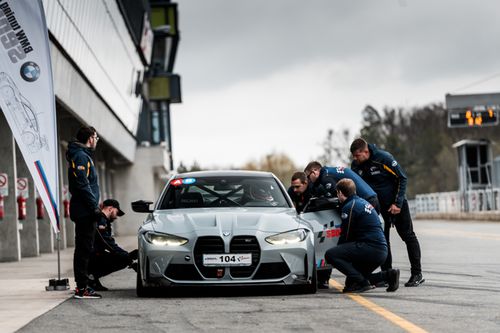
[[336, 148], [278, 163]]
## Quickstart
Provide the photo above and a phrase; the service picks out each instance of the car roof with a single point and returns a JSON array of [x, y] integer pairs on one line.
[[219, 173]]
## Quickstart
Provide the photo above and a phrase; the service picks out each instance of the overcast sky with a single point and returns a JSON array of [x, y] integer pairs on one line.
[[267, 76]]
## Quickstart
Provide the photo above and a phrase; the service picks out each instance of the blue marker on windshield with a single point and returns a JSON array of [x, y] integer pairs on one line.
[[189, 181]]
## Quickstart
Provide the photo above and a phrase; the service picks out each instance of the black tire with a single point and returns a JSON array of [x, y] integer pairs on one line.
[[324, 275], [140, 289], [313, 287]]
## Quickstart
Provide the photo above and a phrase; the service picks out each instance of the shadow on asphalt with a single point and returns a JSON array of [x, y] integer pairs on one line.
[[227, 291]]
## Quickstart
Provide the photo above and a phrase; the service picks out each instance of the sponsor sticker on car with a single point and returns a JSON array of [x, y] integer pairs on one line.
[[227, 259]]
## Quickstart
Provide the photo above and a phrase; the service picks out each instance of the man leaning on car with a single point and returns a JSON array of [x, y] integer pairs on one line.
[[299, 190]]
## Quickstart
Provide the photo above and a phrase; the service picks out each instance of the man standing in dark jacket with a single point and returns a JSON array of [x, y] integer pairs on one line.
[[362, 246], [84, 204], [108, 256], [383, 173]]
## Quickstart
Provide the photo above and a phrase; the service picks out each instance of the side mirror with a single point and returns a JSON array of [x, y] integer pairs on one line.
[[141, 206], [322, 203]]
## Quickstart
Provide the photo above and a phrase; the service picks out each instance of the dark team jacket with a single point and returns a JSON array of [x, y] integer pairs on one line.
[[325, 185], [383, 173], [360, 222], [83, 182], [300, 200], [104, 241]]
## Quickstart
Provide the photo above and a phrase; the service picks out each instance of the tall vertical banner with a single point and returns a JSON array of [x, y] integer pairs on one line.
[[27, 95]]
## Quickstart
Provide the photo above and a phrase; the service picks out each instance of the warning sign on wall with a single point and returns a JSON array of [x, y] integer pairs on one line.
[[4, 184], [22, 187]]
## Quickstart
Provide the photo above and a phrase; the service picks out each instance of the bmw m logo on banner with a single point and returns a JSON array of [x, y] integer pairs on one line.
[[30, 71]]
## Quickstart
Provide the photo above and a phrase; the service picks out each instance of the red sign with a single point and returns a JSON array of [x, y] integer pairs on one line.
[[4, 184], [22, 187]]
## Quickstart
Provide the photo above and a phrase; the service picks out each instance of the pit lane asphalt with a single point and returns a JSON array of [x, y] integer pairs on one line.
[[461, 265]]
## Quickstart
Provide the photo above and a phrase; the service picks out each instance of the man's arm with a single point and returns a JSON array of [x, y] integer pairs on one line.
[[347, 220], [328, 186], [109, 242], [391, 166]]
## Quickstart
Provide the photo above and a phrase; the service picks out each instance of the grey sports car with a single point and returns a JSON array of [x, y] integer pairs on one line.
[[229, 228]]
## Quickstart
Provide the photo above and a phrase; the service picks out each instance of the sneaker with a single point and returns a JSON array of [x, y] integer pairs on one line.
[[415, 280], [86, 293], [358, 287], [393, 279], [96, 285]]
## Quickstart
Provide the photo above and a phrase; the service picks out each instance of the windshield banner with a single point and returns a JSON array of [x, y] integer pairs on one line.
[[27, 95]]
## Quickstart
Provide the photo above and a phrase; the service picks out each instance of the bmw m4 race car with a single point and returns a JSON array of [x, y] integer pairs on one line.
[[234, 228]]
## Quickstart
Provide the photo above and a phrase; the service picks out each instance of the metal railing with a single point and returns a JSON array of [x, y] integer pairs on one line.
[[456, 202]]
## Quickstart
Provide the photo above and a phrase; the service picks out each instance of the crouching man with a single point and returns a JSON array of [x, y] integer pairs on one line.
[[108, 256], [361, 247]]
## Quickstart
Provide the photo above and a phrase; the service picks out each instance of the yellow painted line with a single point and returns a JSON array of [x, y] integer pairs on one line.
[[395, 319]]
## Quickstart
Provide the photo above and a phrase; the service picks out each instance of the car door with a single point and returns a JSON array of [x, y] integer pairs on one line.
[[323, 217]]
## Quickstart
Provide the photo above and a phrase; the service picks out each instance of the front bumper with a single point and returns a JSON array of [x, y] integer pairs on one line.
[[271, 265]]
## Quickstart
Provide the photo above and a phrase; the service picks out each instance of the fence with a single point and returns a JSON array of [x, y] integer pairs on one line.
[[457, 202]]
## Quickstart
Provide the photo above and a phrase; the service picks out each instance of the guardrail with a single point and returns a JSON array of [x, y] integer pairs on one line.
[[457, 202]]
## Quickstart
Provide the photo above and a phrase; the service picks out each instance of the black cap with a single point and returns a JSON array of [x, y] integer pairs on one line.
[[113, 203]]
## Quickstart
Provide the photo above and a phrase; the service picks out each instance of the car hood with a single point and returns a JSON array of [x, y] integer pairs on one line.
[[210, 221]]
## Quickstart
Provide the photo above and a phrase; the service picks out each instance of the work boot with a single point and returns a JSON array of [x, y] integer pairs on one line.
[[392, 279], [95, 284], [358, 287], [323, 285], [415, 280], [133, 266]]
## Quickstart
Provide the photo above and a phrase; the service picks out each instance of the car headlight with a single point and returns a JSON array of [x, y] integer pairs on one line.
[[289, 237], [164, 239]]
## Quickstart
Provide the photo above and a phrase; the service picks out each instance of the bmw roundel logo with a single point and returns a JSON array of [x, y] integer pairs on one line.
[[30, 71]]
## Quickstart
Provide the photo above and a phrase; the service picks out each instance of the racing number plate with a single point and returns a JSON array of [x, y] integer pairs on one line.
[[227, 259]]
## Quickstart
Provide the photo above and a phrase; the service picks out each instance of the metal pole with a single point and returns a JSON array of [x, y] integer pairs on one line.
[[58, 256], [58, 284]]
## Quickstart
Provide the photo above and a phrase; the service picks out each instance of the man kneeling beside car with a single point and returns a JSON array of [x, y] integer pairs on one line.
[[362, 246], [108, 256]]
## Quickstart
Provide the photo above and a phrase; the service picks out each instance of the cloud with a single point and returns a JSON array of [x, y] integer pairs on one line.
[[266, 76]]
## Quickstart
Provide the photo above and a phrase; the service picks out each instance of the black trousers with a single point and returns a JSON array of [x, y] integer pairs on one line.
[[84, 242], [106, 263], [357, 261], [404, 226]]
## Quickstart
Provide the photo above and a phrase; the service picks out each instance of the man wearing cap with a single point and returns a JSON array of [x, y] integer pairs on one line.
[[108, 256]]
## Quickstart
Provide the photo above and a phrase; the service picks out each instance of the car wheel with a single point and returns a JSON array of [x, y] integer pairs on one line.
[[313, 287], [140, 289]]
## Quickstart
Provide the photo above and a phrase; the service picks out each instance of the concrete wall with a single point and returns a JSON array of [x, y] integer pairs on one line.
[[10, 249], [30, 246], [80, 99], [142, 180]]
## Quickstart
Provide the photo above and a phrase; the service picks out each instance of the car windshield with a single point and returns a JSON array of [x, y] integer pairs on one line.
[[230, 191]]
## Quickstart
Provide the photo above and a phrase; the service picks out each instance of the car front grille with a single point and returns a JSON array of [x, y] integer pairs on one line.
[[182, 272], [272, 271], [208, 245], [215, 245], [245, 244]]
